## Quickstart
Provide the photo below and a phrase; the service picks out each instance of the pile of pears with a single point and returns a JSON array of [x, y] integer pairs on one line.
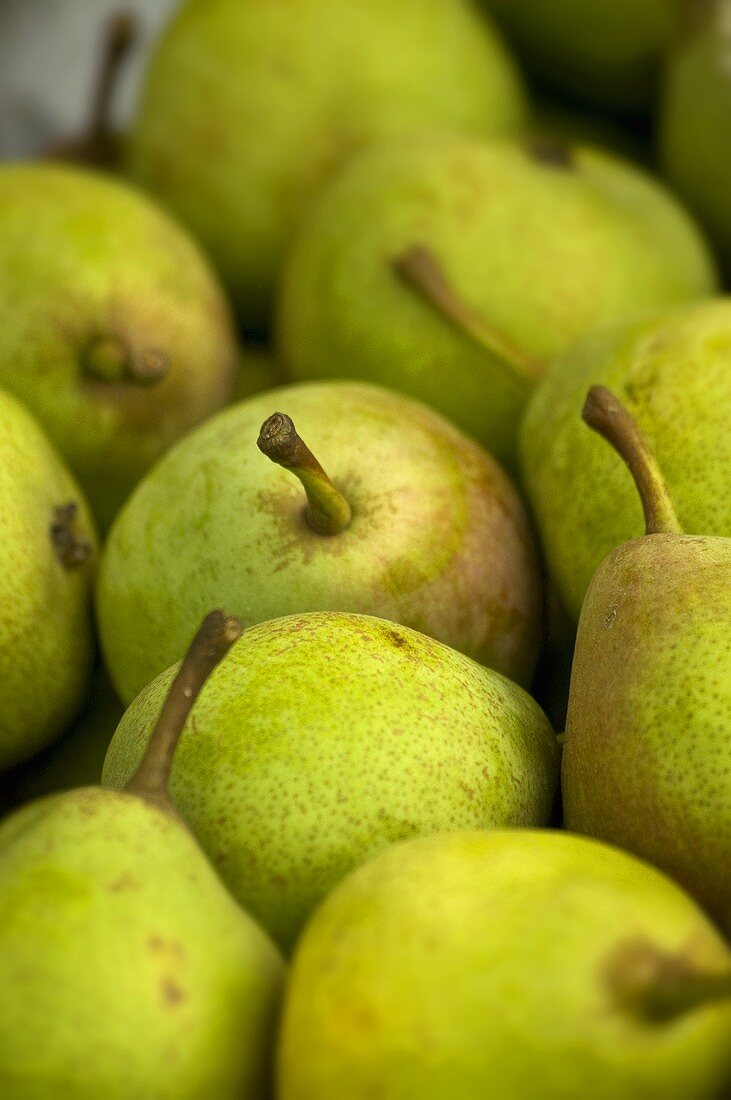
[[365, 548]]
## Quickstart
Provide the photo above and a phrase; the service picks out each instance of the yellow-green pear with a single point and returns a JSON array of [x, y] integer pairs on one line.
[[127, 970], [671, 371], [323, 738], [248, 107], [453, 269], [398, 515], [647, 757], [47, 563], [113, 329], [507, 964]]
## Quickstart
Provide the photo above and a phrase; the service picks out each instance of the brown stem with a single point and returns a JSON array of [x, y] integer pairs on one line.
[[70, 549], [607, 416], [120, 37], [662, 986], [420, 270], [214, 638], [327, 512]]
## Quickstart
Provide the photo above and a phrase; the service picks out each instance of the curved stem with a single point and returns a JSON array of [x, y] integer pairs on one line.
[[327, 512], [607, 416], [214, 638], [662, 986], [120, 37], [421, 271]]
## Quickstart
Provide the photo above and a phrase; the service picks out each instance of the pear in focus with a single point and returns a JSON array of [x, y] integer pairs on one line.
[[452, 269], [695, 119], [113, 330], [248, 108], [406, 519], [323, 738], [650, 768], [507, 964], [671, 372], [126, 968], [47, 562]]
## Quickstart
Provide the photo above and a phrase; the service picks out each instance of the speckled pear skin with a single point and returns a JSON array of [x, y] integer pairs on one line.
[[85, 259], [695, 119], [608, 52], [439, 538], [671, 372], [323, 738], [597, 234], [126, 967], [647, 756], [477, 964], [248, 108], [46, 640]]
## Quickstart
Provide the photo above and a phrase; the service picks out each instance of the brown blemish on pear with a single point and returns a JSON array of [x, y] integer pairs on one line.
[[68, 545]]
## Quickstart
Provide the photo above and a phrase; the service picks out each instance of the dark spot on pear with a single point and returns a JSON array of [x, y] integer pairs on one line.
[[550, 152], [171, 991], [68, 545]]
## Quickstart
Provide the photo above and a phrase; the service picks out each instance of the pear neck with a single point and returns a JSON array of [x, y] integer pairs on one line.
[[213, 640], [419, 269], [327, 511], [662, 986], [605, 414], [97, 144]]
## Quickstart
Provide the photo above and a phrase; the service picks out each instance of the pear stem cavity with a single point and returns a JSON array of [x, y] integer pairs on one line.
[[327, 511], [609, 418], [214, 638], [109, 359], [70, 549], [661, 986], [420, 270]]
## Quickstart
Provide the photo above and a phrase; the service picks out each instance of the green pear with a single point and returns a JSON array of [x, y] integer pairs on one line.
[[247, 108], [47, 560], [73, 760], [650, 768], [695, 120], [127, 969], [607, 52], [323, 738], [418, 525], [113, 330], [671, 371], [509, 964], [452, 269]]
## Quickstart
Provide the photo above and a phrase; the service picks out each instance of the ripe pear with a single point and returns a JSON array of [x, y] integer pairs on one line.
[[325, 737], [452, 269], [671, 372], [695, 119], [608, 52], [650, 768], [418, 525], [47, 560], [126, 967], [75, 758], [507, 964], [248, 108], [113, 330]]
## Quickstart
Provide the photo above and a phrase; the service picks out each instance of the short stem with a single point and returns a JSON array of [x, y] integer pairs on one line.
[[327, 512], [419, 269], [70, 549], [607, 416], [120, 36], [214, 638], [662, 986]]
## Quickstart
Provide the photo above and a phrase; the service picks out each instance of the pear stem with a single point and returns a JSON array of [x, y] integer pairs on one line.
[[607, 416], [214, 638], [120, 37], [661, 986], [327, 511], [420, 270]]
